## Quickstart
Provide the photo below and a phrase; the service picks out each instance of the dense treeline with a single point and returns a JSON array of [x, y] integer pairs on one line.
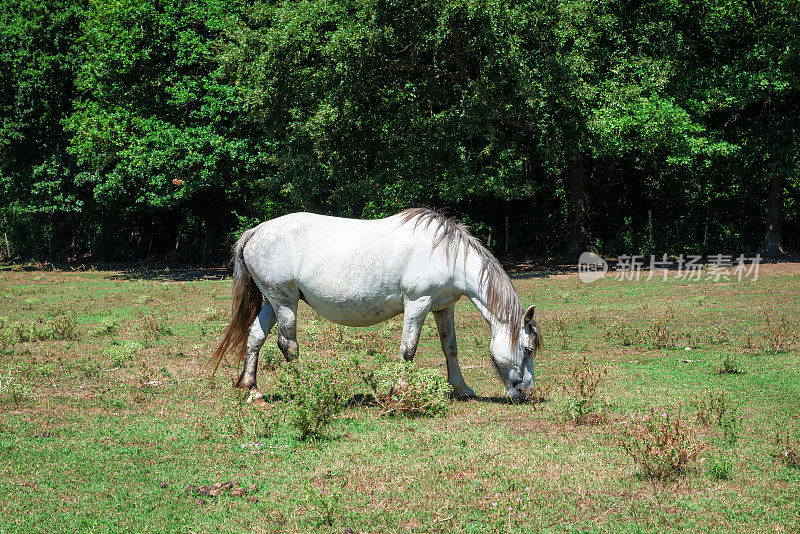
[[136, 129]]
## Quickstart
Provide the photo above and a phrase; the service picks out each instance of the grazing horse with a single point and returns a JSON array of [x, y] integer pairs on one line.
[[363, 272]]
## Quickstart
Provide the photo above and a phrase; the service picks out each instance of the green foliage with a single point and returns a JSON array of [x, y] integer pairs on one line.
[[402, 389], [313, 395], [39, 56], [141, 128]]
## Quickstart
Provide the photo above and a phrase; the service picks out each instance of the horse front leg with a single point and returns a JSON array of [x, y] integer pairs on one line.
[[446, 325], [414, 313], [256, 336]]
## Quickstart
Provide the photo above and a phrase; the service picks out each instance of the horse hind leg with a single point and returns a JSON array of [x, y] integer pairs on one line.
[[287, 330], [255, 340]]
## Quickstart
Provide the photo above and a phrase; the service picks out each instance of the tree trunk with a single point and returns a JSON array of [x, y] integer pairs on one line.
[[577, 233], [773, 240]]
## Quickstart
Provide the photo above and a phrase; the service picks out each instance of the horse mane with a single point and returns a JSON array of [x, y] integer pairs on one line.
[[501, 297]]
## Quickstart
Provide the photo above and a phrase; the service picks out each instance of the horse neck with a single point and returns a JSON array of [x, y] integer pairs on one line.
[[497, 326], [476, 289]]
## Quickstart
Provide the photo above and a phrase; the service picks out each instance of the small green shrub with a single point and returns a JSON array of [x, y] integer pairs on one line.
[[313, 395], [662, 445], [64, 327], [120, 354], [108, 326], [327, 504], [402, 388]]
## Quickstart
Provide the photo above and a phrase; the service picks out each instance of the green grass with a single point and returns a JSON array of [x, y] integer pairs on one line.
[[105, 432]]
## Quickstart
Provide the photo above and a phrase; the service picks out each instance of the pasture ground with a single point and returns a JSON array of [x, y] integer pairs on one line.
[[107, 415]]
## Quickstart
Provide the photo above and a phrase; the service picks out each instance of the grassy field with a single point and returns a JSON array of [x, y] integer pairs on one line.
[[107, 415]]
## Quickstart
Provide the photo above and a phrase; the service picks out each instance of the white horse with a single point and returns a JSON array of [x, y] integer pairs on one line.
[[360, 273]]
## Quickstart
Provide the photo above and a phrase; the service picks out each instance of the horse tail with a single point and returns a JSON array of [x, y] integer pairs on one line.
[[247, 302]]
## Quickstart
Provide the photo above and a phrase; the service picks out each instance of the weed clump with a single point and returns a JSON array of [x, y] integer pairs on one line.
[[13, 391], [241, 419], [622, 332], [660, 333], [787, 448], [730, 365], [662, 445], [62, 327], [716, 409], [89, 367], [538, 394], [26, 332], [584, 404], [560, 322], [402, 388], [313, 396], [6, 340], [152, 327], [720, 467], [778, 333], [211, 315]]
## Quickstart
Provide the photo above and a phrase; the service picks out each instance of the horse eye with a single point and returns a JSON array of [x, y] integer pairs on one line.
[[528, 351]]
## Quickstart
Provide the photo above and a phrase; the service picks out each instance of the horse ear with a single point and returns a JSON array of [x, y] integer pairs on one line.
[[529, 314]]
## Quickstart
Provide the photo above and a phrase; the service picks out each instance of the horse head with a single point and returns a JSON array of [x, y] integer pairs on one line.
[[513, 356]]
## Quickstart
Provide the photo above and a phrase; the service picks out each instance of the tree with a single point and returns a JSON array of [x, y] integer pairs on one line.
[[157, 136], [39, 202], [381, 105]]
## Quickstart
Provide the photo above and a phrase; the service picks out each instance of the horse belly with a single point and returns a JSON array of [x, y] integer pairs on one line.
[[354, 311]]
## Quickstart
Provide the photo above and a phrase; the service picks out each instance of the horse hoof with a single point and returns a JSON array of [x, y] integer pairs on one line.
[[256, 398], [243, 383], [465, 395]]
